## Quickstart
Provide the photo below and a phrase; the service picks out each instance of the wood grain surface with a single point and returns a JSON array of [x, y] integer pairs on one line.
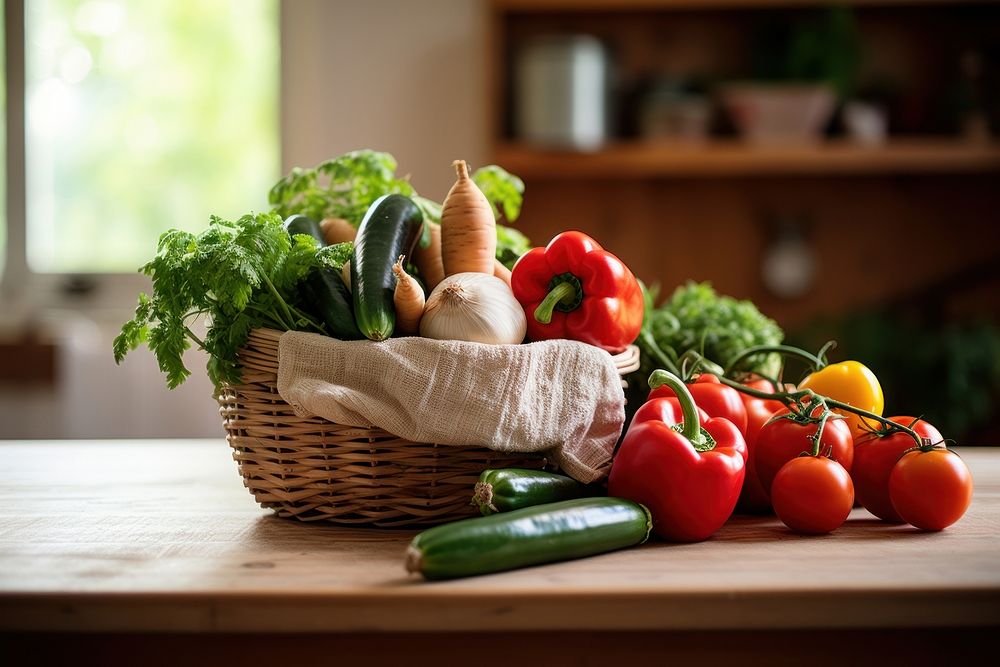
[[159, 536]]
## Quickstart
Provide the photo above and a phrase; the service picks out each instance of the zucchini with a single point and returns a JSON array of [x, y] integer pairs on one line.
[[529, 536], [390, 228], [506, 489], [303, 224], [329, 298], [323, 289]]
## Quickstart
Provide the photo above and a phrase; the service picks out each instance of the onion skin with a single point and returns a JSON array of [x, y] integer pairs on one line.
[[474, 307]]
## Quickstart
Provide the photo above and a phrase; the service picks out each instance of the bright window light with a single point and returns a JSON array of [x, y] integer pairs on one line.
[[142, 116]]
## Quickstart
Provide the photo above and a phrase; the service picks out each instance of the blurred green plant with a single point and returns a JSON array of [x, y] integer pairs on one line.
[[822, 48]]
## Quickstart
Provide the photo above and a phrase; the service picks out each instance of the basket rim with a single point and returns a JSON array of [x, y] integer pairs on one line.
[[260, 353]]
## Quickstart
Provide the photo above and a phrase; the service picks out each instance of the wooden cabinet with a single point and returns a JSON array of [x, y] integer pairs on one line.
[[878, 222]]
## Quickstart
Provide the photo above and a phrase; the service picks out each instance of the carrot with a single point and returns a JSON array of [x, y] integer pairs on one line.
[[501, 271], [337, 230], [408, 298], [468, 229], [428, 260]]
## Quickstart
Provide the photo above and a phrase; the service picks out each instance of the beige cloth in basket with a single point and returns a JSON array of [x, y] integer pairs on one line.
[[562, 397]]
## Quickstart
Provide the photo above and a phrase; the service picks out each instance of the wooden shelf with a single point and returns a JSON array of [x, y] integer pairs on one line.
[[732, 158], [666, 5]]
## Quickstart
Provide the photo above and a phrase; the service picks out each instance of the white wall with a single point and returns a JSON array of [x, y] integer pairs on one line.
[[401, 76], [396, 75]]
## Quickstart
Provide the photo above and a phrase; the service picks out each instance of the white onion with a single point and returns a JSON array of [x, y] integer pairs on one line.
[[475, 307]]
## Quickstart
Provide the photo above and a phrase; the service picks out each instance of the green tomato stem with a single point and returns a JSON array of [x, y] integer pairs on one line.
[[784, 350], [893, 426], [653, 347], [817, 437], [699, 363], [790, 398]]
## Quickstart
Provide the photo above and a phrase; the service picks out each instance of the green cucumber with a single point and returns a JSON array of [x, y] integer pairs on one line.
[[329, 298], [390, 228], [529, 536], [303, 224], [323, 290], [506, 489]]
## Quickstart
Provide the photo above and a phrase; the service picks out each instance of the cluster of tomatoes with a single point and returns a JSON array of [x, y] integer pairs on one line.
[[886, 471], [780, 465]]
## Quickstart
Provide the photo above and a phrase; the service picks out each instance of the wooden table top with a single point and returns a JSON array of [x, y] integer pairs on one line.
[[160, 536]]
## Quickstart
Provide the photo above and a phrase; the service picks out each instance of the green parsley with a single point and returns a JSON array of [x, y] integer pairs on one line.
[[241, 275], [245, 274], [697, 318]]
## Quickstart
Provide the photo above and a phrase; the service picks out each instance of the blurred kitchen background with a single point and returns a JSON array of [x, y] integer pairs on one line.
[[837, 165]]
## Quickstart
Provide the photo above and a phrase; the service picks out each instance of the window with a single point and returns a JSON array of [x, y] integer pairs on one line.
[[3, 139], [140, 117]]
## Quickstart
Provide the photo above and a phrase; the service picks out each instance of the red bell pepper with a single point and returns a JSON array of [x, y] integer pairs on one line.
[[689, 476], [666, 409], [573, 288], [715, 398]]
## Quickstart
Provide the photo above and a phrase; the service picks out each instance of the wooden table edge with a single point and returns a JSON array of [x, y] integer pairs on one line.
[[369, 611]]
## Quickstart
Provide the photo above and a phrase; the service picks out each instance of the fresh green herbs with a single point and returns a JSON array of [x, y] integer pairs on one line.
[[346, 186], [343, 187], [720, 327], [511, 244], [241, 274], [245, 274], [502, 189], [696, 318], [335, 256]]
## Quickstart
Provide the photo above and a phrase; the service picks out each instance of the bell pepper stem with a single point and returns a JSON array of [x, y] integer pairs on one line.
[[563, 292], [692, 427]]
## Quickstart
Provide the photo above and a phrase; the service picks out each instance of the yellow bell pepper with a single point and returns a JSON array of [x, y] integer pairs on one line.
[[849, 382]]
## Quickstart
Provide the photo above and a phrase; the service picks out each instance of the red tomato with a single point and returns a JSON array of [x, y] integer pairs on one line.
[[930, 489], [812, 494], [761, 384], [753, 497], [782, 440], [715, 398], [874, 458]]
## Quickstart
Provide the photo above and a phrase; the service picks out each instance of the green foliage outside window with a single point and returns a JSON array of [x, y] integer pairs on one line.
[[141, 117]]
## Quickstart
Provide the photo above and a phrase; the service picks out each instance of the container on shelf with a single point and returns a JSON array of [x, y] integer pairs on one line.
[[866, 123], [779, 113], [671, 111], [562, 92]]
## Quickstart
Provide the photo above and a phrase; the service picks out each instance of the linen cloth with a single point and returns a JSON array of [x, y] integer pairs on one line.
[[560, 397]]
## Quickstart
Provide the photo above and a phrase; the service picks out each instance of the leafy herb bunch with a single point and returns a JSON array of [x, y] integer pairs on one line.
[[245, 274], [344, 187], [696, 319], [241, 275]]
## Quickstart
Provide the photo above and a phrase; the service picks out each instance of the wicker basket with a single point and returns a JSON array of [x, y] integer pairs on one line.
[[313, 469]]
